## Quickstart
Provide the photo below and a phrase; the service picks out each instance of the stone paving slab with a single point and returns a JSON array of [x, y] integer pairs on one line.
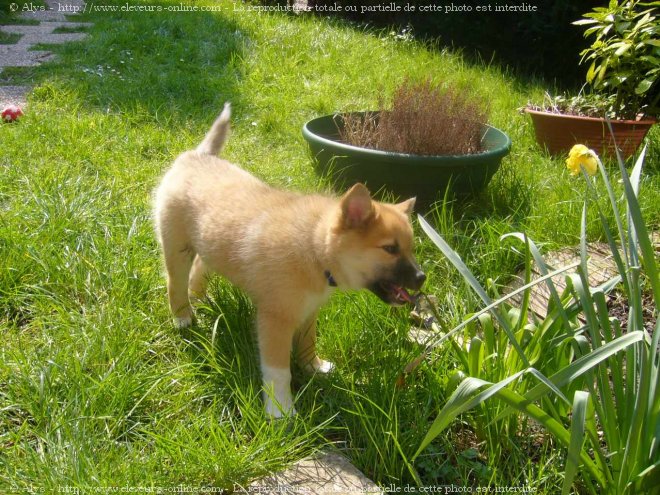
[[21, 56], [43, 33], [326, 473], [13, 95], [600, 265]]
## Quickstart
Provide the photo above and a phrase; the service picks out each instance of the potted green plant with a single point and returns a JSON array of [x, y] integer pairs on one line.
[[430, 137], [622, 84]]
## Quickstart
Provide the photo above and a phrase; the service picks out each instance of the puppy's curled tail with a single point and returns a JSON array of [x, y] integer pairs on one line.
[[217, 135]]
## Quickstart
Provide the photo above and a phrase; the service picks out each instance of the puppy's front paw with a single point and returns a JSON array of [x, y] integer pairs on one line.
[[319, 365], [278, 400], [278, 411]]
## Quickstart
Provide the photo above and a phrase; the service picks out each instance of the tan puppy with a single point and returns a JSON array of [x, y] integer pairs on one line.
[[288, 251]]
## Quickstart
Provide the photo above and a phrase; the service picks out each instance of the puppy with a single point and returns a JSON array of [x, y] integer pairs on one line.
[[289, 252]]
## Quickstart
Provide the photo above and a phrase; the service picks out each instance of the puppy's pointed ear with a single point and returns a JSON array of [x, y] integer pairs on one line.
[[357, 208], [407, 206]]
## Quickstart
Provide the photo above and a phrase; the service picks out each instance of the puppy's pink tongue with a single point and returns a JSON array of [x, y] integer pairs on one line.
[[403, 294]]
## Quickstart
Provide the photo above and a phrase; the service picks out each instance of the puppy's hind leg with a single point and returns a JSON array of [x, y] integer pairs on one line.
[[178, 260], [199, 278]]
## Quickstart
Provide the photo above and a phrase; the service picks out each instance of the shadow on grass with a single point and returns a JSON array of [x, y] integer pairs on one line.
[[222, 341], [539, 42]]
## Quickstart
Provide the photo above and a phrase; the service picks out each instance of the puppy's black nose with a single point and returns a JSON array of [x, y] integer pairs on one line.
[[420, 277]]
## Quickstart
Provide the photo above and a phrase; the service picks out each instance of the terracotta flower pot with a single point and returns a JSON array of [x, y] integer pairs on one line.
[[559, 132]]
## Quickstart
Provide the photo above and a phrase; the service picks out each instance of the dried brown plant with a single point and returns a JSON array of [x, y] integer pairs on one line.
[[424, 119]]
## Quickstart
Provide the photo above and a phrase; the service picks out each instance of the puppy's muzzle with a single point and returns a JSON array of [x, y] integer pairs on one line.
[[393, 289]]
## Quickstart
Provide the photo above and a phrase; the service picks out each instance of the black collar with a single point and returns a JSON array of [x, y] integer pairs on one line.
[[331, 280]]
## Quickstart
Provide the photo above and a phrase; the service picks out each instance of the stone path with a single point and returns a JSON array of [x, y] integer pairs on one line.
[[600, 265], [21, 53], [327, 473]]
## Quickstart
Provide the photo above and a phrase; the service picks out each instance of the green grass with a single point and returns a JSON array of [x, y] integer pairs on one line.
[[98, 389], [67, 29], [9, 38]]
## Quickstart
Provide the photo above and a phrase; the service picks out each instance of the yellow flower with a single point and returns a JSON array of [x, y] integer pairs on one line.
[[580, 155]]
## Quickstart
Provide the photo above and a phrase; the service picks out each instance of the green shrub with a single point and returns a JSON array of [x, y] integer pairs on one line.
[[624, 56]]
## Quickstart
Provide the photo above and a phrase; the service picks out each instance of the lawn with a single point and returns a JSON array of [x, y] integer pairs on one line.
[[97, 388]]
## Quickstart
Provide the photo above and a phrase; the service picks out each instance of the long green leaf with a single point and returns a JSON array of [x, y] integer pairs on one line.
[[653, 414], [463, 399], [580, 403], [643, 238], [640, 443], [635, 177], [646, 481], [437, 341], [459, 402], [636, 174], [581, 284], [578, 283], [633, 454], [615, 209], [581, 365], [613, 408], [476, 286], [544, 379], [474, 356], [527, 295], [621, 267], [587, 362], [518, 402]]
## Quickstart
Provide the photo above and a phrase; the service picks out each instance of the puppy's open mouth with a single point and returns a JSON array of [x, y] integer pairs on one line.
[[393, 294], [397, 293]]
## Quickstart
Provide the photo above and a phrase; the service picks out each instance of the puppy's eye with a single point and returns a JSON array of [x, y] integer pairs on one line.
[[391, 248]]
